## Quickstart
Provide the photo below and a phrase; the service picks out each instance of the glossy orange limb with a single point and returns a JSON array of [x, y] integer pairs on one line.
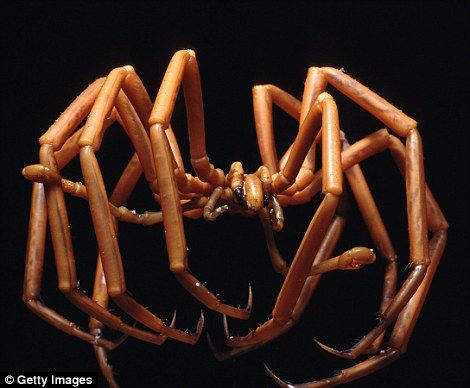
[[48, 197], [422, 209], [292, 179]]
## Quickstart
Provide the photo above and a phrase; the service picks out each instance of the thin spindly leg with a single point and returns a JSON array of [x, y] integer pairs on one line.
[[55, 137], [356, 153], [295, 279], [64, 254], [419, 257], [102, 219], [379, 235], [406, 319], [416, 198], [101, 297], [121, 194], [324, 253], [34, 268], [264, 96], [324, 115], [183, 70], [93, 133], [174, 230], [141, 102], [378, 142]]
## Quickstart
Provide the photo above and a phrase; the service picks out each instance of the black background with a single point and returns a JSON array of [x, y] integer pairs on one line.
[[413, 54]]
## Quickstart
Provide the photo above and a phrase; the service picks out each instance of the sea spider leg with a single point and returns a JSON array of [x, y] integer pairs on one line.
[[141, 102], [174, 231], [55, 138], [47, 176], [211, 211], [324, 252], [264, 96], [130, 176], [33, 273], [323, 114], [183, 70], [351, 156], [406, 319], [120, 195], [376, 229], [374, 224], [379, 235], [315, 84], [124, 188], [101, 216], [416, 197]]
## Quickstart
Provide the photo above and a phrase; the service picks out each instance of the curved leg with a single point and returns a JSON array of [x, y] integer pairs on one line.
[[423, 214], [103, 221], [416, 202], [323, 114], [70, 288], [379, 235], [419, 259], [401, 333], [121, 194], [174, 230], [33, 273], [183, 70], [101, 297], [56, 137], [324, 252], [264, 96]]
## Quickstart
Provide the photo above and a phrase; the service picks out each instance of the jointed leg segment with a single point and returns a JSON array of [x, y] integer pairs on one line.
[[420, 204], [293, 179]]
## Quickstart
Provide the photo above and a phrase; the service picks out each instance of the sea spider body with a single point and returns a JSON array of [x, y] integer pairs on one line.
[[293, 179]]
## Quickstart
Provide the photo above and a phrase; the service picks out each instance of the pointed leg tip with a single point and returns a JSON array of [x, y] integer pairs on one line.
[[276, 379], [173, 319], [334, 380], [249, 304], [342, 354], [200, 325], [237, 312], [185, 336], [230, 339], [226, 329]]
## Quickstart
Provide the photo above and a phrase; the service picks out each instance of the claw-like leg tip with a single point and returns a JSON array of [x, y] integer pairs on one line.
[[200, 325], [335, 352], [237, 312], [226, 329], [173, 320], [276, 379], [249, 305]]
